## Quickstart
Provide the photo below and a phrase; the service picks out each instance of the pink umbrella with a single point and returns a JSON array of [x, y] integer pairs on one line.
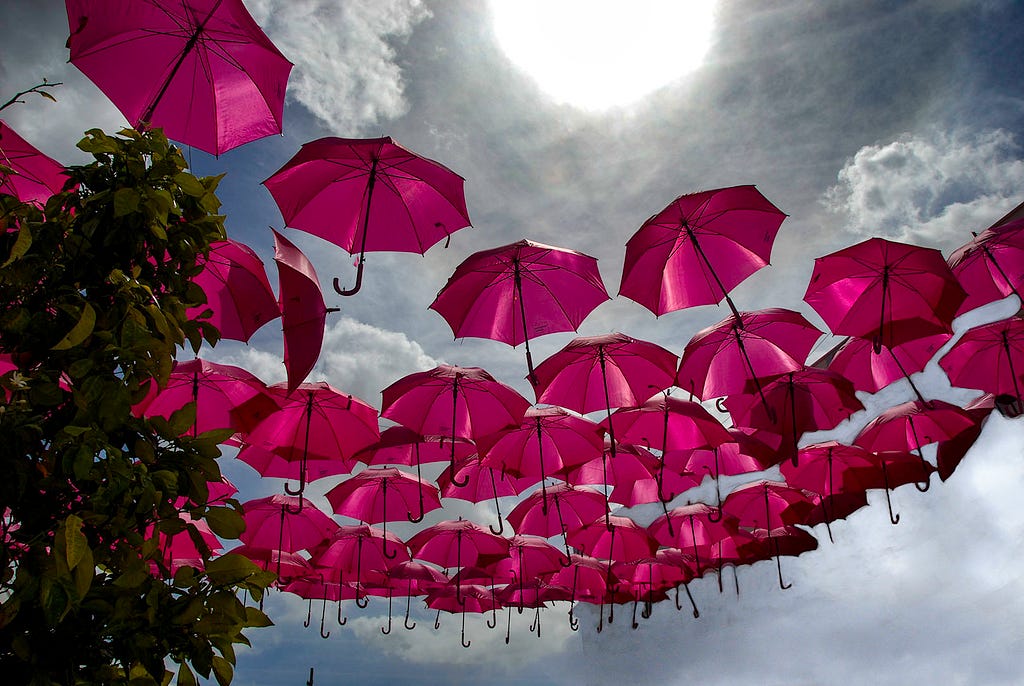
[[695, 527], [573, 507], [278, 521], [623, 541], [650, 577], [601, 372], [303, 311], [830, 469], [912, 425], [189, 547], [806, 400], [358, 555], [460, 402], [768, 505], [287, 566], [549, 441], [588, 580], [699, 248], [744, 348], [475, 482], [365, 497], [886, 292], [200, 69], [399, 445], [989, 357], [238, 292], [33, 177], [419, 579], [952, 451], [520, 291], [872, 371], [784, 540], [635, 474], [225, 396], [316, 422], [335, 187], [457, 544], [462, 598], [666, 423], [989, 267]]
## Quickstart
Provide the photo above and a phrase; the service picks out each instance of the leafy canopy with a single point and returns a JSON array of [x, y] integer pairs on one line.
[[95, 288]]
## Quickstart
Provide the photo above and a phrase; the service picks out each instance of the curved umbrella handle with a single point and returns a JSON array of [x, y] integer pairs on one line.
[[574, 623], [309, 614], [342, 621], [408, 604], [927, 485], [389, 616], [493, 621], [778, 563], [535, 624], [634, 625], [363, 602], [437, 621], [287, 508], [500, 531], [894, 519], [600, 617], [508, 626], [323, 614], [465, 643], [686, 587]]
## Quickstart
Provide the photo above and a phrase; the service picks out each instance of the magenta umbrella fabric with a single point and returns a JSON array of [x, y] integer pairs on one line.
[[635, 475], [604, 372], [459, 402], [620, 540], [494, 291], [474, 482], [724, 358], [989, 357], [202, 70], [354, 554], [303, 312], [549, 442], [226, 397], [693, 528], [383, 494], [369, 194], [566, 508], [281, 522], [990, 267], [869, 371], [238, 292], [316, 423], [34, 177], [699, 248], [457, 543], [884, 291]]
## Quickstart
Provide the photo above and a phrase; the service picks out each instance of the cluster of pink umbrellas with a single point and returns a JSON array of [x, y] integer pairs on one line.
[[644, 445]]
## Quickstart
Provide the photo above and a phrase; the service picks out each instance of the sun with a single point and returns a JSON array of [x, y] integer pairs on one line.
[[597, 54]]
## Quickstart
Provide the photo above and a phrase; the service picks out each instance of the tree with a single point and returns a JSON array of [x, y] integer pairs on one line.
[[95, 288]]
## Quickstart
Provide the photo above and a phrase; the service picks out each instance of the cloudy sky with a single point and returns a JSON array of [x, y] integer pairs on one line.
[[858, 119]]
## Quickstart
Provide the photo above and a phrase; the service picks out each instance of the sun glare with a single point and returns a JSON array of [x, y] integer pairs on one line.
[[596, 54]]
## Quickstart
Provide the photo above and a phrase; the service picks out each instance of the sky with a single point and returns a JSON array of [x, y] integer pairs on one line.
[[857, 119]]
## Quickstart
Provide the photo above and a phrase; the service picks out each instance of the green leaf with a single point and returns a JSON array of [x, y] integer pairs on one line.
[[225, 522], [256, 618], [126, 201], [21, 244], [84, 573], [190, 185], [80, 331], [186, 677], [74, 540], [230, 569], [223, 670]]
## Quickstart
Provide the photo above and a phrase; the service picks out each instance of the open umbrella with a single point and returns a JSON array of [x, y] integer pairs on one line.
[[303, 312], [742, 349], [990, 358], [871, 371], [549, 441], [316, 422], [990, 266], [277, 521], [462, 598], [520, 291], [238, 293], [884, 291], [699, 248], [30, 176], [475, 482], [202, 70], [365, 496], [369, 195], [636, 476], [697, 527], [460, 402], [571, 507]]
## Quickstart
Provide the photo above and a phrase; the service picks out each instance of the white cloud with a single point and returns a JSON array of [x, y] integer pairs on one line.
[[932, 188], [345, 70]]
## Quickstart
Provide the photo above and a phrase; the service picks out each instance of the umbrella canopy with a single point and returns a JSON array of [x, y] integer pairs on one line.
[[238, 293], [699, 248], [830, 469], [460, 402], [225, 396], [30, 176], [872, 371], [303, 312], [565, 508], [475, 482], [383, 494], [602, 372], [989, 267], [989, 357], [359, 554], [886, 292], [457, 543], [369, 195], [621, 540], [520, 291], [202, 70], [635, 474], [316, 422], [692, 528], [283, 523], [724, 358]]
